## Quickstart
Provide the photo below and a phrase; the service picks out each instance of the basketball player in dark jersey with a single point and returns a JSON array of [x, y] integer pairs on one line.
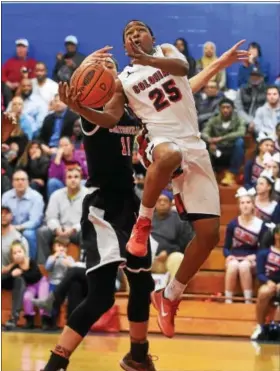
[[109, 212]]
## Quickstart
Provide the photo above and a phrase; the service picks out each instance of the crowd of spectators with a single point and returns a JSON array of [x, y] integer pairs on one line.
[[44, 172]]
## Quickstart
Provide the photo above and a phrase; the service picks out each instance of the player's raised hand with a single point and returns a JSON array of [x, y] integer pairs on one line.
[[68, 96], [137, 55], [99, 55], [9, 123], [234, 55]]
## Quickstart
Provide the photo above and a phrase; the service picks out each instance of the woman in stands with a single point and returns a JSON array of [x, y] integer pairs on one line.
[[267, 208], [272, 163], [268, 273], [254, 167], [241, 244]]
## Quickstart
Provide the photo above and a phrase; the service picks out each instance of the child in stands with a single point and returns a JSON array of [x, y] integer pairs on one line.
[[36, 285], [268, 273], [241, 244]]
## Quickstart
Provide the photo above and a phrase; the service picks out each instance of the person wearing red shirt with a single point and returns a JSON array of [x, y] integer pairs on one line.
[[15, 68]]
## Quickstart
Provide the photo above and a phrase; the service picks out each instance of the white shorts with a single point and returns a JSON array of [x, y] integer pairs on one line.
[[196, 187]]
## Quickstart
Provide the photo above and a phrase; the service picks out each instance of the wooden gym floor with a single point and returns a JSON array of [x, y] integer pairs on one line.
[[29, 352]]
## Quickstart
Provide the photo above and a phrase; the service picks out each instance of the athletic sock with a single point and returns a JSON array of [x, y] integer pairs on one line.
[[139, 351], [146, 212], [174, 290], [248, 294], [228, 295], [56, 362]]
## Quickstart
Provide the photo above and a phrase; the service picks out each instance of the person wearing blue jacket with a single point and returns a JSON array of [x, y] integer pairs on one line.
[[268, 273], [255, 61]]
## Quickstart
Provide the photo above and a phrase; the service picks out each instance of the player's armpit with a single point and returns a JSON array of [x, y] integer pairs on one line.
[[174, 62], [112, 112]]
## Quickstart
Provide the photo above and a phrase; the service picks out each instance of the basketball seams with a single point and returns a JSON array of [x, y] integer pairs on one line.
[[90, 87], [95, 103]]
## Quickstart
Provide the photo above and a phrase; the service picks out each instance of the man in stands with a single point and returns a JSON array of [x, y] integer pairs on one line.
[[225, 136], [63, 214], [14, 68], [268, 115], [42, 86]]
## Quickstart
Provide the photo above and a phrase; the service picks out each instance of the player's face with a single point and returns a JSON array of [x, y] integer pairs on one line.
[[140, 34], [73, 179], [267, 146], [246, 205], [110, 65], [262, 186], [18, 254], [272, 96]]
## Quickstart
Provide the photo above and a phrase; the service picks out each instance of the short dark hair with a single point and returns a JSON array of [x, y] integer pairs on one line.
[[277, 126], [62, 241], [137, 20], [226, 101], [273, 87]]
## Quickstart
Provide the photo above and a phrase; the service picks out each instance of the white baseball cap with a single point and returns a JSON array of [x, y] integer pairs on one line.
[[23, 42], [71, 39]]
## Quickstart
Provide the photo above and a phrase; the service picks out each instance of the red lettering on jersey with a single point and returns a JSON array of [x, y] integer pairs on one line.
[[165, 73], [136, 89], [146, 84], [141, 86], [151, 80]]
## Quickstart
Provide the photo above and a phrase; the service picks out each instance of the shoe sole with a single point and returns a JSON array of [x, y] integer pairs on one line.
[[140, 254], [126, 367], [158, 317]]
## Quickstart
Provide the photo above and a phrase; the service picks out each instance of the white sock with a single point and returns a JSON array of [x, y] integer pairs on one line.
[[248, 296], [146, 212], [174, 290], [228, 295]]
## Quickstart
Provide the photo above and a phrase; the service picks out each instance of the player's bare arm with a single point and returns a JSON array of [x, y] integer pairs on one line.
[[168, 63], [231, 56], [107, 118]]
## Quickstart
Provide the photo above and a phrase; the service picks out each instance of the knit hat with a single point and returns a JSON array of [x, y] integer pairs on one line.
[[167, 194]]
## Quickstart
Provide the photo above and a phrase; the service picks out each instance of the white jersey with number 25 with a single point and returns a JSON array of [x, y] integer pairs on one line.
[[163, 102]]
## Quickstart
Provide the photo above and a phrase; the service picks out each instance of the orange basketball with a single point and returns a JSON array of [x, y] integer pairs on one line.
[[96, 84]]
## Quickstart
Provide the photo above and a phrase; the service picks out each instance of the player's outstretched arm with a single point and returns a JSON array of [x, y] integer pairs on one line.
[[231, 56], [171, 62], [107, 118]]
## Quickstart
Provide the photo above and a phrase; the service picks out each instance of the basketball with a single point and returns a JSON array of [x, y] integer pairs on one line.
[[96, 84]]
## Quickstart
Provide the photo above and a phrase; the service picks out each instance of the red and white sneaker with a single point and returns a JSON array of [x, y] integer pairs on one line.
[[138, 242], [166, 312]]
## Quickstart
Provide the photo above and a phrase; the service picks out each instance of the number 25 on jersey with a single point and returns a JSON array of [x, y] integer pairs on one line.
[[164, 97]]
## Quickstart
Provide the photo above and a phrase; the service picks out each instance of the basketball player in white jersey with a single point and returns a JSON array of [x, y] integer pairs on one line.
[[156, 88]]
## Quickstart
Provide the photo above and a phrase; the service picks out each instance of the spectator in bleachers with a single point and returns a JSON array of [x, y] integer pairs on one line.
[[36, 165], [268, 273], [171, 234], [243, 235], [65, 157], [272, 163], [6, 174], [8, 235], [207, 103], [267, 209], [14, 146], [250, 97], [6, 96], [183, 47], [63, 214], [253, 168], [225, 137], [23, 266], [27, 207], [209, 56], [12, 68], [67, 63], [57, 125], [255, 61], [43, 86], [268, 115], [77, 136], [25, 121], [14, 282]]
